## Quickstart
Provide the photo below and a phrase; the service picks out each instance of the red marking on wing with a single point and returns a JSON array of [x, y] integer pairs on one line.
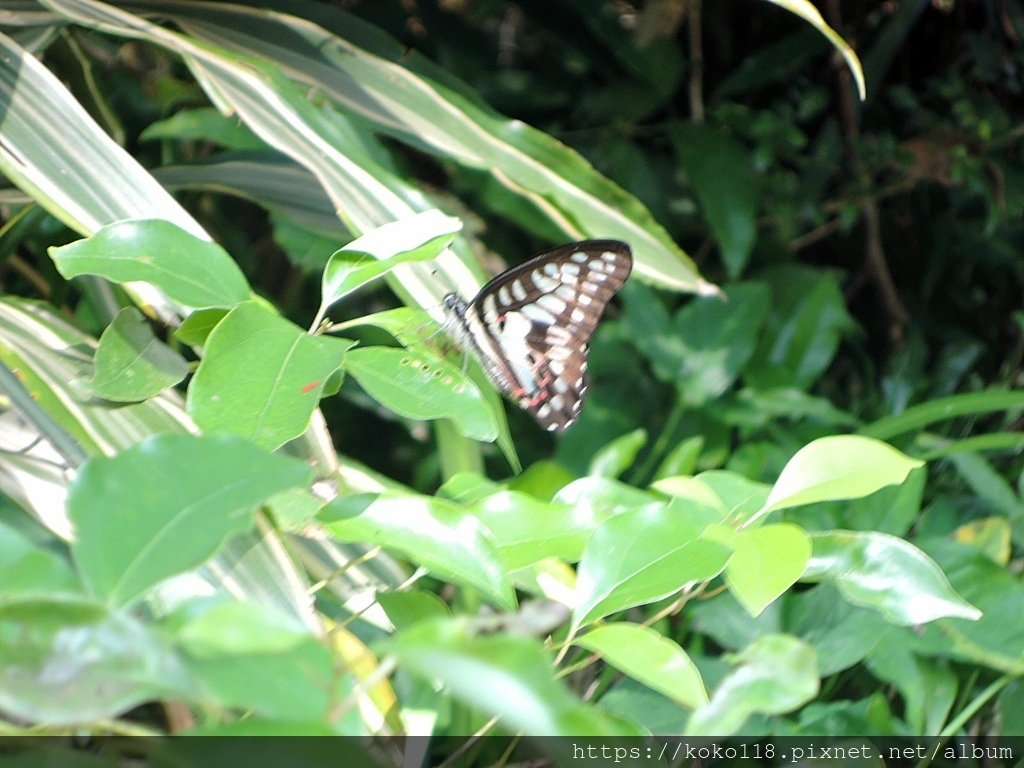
[[310, 387]]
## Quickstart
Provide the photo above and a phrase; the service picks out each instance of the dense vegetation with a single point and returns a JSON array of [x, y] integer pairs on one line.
[[246, 486]]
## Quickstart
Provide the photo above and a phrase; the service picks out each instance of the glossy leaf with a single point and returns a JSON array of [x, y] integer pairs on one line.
[[888, 574], [838, 467], [447, 541], [528, 530], [773, 675], [131, 363], [766, 561], [506, 676], [420, 385], [137, 523], [416, 238], [641, 556], [720, 172], [261, 377], [649, 658], [802, 331], [617, 456], [191, 271]]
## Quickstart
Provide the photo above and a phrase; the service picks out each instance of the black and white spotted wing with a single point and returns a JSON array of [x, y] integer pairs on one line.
[[531, 325]]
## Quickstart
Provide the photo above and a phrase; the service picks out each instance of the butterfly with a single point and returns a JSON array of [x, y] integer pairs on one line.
[[530, 326]]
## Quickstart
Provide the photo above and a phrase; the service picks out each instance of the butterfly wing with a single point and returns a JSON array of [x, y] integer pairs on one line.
[[531, 325]]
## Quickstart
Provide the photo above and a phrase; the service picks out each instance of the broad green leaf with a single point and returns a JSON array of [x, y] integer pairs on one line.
[[706, 345], [888, 574], [720, 170], [261, 377], [646, 656], [527, 530], [417, 238], [165, 506], [407, 608], [468, 488], [604, 496], [842, 634], [195, 329], [27, 570], [239, 627], [193, 272], [420, 385], [838, 467], [994, 640], [299, 684], [64, 661], [447, 541], [505, 676], [411, 327], [617, 456], [131, 363], [682, 459], [773, 675], [640, 556], [766, 561], [741, 496], [802, 330], [927, 688]]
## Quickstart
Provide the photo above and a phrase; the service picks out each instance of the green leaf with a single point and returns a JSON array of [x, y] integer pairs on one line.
[[261, 377], [838, 467], [195, 329], [299, 684], [766, 561], [888, 574], [649, 658], [603, 496], [802, 331], [715, 341], [528, 530], [773, 675], [165, 506], [407, 608], [64, 661], [640, 556], [447, 541], [506, 676], [416, 238], [27, 570], [217, 628], [131, 363], [193, 272], [420, 385], [721, 173], [617, 456]]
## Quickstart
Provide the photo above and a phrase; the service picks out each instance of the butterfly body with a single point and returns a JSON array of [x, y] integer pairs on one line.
[[531, 325]]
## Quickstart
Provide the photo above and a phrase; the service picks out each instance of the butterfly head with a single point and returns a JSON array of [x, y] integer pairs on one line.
[[454, 304]]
